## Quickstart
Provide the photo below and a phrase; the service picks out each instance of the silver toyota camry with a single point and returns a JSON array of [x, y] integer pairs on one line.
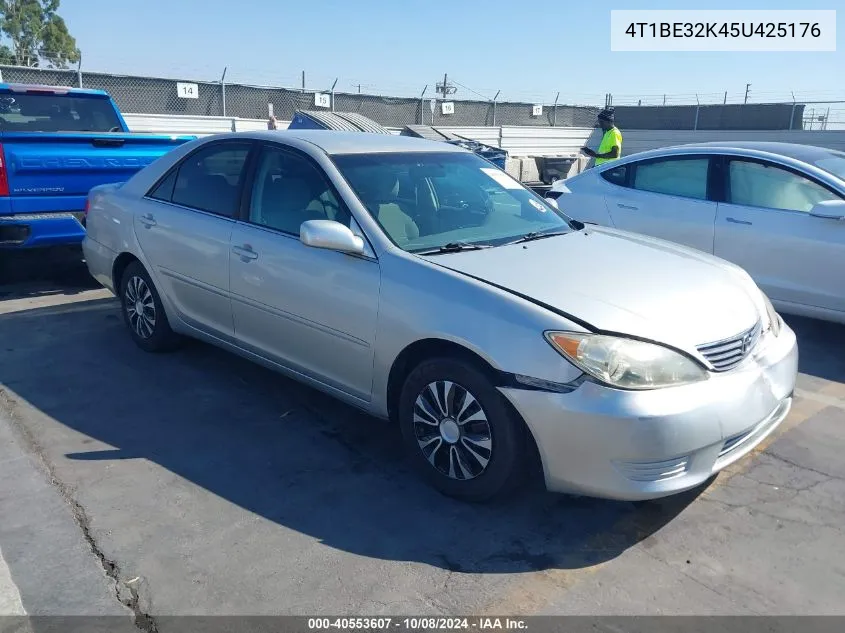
[[420, 283]]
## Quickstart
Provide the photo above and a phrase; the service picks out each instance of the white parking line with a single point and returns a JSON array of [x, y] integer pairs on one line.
[[10, 597]]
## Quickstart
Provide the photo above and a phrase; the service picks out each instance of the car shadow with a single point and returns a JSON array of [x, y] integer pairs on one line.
[[43, 272], [820, 345], [292, 455]]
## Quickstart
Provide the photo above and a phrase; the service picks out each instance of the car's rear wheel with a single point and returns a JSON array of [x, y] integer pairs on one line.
[[459, 432], [143, 312]]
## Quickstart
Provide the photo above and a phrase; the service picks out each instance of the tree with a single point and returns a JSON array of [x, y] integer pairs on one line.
[[33, 34]]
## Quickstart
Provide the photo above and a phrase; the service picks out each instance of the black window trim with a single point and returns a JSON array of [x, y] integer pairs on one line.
[[249, 177], [725, 180], [251, 151]]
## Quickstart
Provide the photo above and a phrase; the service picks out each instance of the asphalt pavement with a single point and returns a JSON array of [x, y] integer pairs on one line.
[[198, 483]]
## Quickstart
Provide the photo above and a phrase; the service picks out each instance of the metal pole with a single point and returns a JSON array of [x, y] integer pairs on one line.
[[422, 105], [664, 99], [792, 115], [826, 118], [747, 88], [79, 71], [332, 94], [223, 89], [494, 107], [303, 81], [554, 112], [697, 108], [726, 98]]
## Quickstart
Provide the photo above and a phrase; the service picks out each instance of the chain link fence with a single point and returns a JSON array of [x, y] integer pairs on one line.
[[151, 95]]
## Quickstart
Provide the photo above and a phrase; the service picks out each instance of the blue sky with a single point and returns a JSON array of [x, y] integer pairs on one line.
[[528, 50]]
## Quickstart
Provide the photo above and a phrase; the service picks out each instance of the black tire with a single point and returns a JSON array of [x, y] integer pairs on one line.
[[506, 456], [152, 332]]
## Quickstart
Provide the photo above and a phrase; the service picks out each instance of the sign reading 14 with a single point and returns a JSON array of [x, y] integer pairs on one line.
[[187, 91]]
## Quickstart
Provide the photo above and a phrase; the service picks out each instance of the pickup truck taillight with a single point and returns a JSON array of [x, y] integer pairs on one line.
[[4, 176]]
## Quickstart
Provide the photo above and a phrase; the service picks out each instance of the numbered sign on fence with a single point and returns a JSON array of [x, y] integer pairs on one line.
[[447, 107], [537, 110], [187, 91], [322, 100]]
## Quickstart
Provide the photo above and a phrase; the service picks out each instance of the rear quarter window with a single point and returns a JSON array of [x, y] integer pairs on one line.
[[617, 175]]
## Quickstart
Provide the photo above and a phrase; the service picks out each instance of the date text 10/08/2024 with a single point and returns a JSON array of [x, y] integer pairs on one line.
[[724, 29], [416, 624]]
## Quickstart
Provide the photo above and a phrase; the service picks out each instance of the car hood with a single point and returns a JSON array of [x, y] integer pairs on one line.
[[623, 283]]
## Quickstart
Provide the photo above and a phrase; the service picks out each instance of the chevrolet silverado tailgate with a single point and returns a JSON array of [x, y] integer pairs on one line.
[[54, 171]]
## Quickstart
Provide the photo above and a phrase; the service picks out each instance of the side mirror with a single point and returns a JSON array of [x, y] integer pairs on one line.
[[330, 235], [829, 210]]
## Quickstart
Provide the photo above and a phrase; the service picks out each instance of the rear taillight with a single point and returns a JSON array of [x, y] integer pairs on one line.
[[4, 175], [87, 204]]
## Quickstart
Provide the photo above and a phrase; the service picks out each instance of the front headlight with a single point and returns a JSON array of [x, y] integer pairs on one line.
[[772, 315], [626, 363]]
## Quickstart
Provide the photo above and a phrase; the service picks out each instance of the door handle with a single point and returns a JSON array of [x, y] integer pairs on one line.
[[245, 252], [627, 206], [735, 221], [147, 220]]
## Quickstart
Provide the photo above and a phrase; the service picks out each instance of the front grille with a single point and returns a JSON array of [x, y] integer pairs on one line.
[[727, 354], [733, 442]]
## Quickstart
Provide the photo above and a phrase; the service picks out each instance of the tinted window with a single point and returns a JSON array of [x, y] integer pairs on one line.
[[164, 190], [209, 179], [288, 190], [677, 177], [56, 113], [617, 175], [760, 185], [426, 200]]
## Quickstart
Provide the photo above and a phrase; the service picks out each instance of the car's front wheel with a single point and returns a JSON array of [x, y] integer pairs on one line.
[[143, 312], [459, 431]]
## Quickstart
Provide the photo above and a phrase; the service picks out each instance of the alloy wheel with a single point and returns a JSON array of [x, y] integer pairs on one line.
[[140, 307]]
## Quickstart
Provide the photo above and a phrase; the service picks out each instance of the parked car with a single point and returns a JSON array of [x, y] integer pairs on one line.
[[55, 144], [483, 325], [775, 209]]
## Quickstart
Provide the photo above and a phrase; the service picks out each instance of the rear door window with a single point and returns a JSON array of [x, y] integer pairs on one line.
[[684, 177], [210, 179], [57, 113]]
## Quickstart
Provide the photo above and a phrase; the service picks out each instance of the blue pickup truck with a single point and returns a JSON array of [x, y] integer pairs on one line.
[[55, 145]]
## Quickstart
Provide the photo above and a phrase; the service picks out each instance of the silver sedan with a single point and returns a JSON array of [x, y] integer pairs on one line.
[[775, 209], [418, 282]]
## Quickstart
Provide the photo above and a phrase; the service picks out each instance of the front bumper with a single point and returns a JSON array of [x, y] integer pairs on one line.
[[634, 445], [41, 229]]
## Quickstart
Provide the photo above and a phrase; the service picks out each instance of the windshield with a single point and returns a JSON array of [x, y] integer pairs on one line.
[[833, 163], [56, 113], [428, 200]]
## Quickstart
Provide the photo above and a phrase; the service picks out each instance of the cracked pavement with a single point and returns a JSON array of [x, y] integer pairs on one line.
[[198, 483]]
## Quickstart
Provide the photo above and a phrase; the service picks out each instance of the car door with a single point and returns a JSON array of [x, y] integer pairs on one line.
[[764, 225], [663, 197], [183, 227], [312, 310]]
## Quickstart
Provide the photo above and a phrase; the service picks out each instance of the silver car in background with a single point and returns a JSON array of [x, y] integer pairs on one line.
[[775, 209], [418, 282]]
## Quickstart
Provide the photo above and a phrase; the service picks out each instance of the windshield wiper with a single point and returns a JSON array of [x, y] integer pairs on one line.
[[538, 235], [452, 247]]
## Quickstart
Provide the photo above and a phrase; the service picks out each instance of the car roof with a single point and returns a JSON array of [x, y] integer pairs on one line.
[[335, 142], [794, 151]]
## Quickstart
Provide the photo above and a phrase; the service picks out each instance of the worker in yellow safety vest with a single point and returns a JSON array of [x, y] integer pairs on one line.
[[610, 147]]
